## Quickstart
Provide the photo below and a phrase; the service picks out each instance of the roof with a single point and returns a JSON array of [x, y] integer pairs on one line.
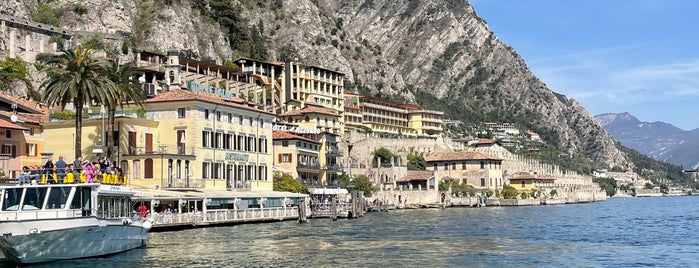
[[529, 176], [416, 175], [309, 110], [463, 155], [29, 106], [27, 117], [184, 95], [9, 125], [281, 135]]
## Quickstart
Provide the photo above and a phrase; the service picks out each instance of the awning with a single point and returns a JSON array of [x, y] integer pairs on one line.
[[327, 191]]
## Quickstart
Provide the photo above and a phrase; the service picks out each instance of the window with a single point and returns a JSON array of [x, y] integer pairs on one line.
[[482, 164], [241, 143], [250, 119], [206, 170], [218, 171], [10, 149], [218, 142], [31, 149], [181, 113], [206, 139], [482, 182], [522, 183], [261, 123], [285, 143], [284, 158], [251, 144], [230, 118], [446, 166], [463, 165], [148, 168], [262, 173], [262, 145], [435, 167], [8, 134], [206, 114], [240, 119], [136, 169], [453, 166], [218, 116]]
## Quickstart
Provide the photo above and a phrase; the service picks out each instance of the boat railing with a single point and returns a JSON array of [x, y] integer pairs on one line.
[[40, 214], [70, 178]]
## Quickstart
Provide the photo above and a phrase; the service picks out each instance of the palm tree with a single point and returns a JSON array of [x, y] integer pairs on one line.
[[76, 76], [128, 90]]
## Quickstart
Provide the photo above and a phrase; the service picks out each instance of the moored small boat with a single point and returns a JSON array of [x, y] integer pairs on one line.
[[40, 223]]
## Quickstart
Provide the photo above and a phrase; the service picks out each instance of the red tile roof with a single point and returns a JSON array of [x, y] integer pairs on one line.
[[32, 106], [463, 155], [486, 141], [416, 175], [184, 95], [281, 135], [310, 110], [9, 125]]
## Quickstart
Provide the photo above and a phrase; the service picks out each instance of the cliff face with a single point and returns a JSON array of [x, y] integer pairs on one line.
[[436, 53]]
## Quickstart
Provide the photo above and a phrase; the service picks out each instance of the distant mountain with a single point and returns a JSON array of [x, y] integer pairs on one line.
[[659, 140]]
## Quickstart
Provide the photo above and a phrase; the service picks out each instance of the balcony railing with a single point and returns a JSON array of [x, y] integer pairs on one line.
[[186, 183], [334, 152], [308, 165], [162, 149]]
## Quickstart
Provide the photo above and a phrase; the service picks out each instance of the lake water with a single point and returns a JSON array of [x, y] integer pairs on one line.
[[621, 232]]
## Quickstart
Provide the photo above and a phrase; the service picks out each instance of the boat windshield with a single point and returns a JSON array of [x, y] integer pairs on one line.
[[11, 198]]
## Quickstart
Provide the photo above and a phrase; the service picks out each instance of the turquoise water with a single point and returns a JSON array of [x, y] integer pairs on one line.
[[621, 232]]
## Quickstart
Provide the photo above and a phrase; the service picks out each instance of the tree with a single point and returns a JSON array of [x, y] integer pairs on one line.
[[607, 184], [384, 154], [76, 76], [362, 183], [287, 183], [416, 162], [14, 70], [127, 90], [509, 192]]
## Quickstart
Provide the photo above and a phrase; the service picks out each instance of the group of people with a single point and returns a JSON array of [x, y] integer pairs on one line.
[[91, 170]]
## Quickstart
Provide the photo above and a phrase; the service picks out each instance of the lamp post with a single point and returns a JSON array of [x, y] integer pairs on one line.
[[349, 154]]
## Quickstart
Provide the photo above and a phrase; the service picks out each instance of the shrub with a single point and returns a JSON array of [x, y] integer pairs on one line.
[[79, 9]]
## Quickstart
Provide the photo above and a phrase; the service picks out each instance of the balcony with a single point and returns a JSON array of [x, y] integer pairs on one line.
[[334, 167], [334, 152], [183, 183], [308, 166], [162, 149]]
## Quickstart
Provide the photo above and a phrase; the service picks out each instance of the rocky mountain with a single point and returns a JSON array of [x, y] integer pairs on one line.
[[437, 53], [659, 140]]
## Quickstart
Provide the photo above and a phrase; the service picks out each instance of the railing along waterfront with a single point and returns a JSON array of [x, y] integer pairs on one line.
[[224, 216]]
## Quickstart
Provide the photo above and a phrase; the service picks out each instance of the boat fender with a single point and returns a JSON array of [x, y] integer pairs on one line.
[[147, 225], [127, 221]]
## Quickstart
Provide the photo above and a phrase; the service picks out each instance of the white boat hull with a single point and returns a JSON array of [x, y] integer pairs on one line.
[[58, 239]]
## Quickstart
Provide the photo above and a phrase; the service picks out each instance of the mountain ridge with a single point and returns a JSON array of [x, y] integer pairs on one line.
[[439, 50]]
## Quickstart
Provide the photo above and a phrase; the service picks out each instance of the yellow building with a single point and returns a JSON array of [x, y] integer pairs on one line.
[[21, 140], [391, 117], [296, 86], [474, 168], [527, 181], [298, 156]]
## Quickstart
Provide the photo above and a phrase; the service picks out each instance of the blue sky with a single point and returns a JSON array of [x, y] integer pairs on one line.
[[636, 56]]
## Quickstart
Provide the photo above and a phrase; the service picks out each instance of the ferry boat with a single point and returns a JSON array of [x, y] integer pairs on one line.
[[41, 223]]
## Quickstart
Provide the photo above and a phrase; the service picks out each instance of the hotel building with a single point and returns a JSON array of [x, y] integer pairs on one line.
[[391, 117]]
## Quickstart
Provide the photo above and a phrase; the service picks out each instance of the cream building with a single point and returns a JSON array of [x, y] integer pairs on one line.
[[474, 168], [298, 156], [391, 117]]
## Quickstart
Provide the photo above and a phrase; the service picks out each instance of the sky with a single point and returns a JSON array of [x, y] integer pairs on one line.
[[613, 56]]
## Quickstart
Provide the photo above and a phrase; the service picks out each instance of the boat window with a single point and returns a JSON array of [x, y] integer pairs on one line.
[[11, 198], [82, 200], [58, 197], [34, 198], [113, 207]]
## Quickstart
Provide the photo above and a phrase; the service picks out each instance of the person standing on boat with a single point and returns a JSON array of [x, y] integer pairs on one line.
[[60, 169], [77, 168], [48, 171], [142, 210]]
